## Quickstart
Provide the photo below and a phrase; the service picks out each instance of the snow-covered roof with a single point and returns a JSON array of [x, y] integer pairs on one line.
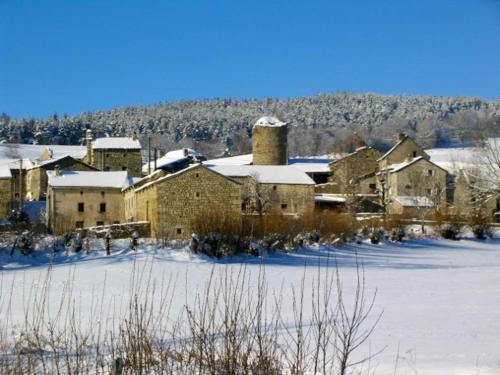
[[13, 152], [173, 157], [117, 143], [311, 167], [398, 166], [54, 161], [180, 153], [5, 171], [266, 174], [417, 201], [457, 158], [269, 121], [329, 198], [115, 179], [17, 163], [245, 159], [175, 174]]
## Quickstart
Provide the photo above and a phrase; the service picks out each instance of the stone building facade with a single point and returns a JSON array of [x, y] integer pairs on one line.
[[176, 204], [355, 173], [115, 154], [417, 177], [5, 191], [84, 199], [36, 179]]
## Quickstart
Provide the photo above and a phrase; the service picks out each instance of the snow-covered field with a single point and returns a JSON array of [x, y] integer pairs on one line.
[[440, 299]]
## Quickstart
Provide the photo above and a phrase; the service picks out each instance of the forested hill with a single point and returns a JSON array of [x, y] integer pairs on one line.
[[317, 122]]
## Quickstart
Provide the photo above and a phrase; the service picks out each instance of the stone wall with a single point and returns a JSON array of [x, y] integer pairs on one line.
[[349, 172], [176, 205], [124, 230], [62, 207], [118, 160], [276, 199], [5, 197]]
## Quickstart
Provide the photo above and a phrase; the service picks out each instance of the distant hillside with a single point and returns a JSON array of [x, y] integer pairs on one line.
[[317, 122]]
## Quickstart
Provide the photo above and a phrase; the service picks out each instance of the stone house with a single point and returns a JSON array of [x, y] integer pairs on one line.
[[180, 203], [77, 199], [271, 189], [355, 172], [115, 154], [36, 179], [415, 177]]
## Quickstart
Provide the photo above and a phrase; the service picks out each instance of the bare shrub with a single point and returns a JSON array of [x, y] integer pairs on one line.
[[234, 325]]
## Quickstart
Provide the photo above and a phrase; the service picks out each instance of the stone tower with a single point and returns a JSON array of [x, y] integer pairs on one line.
[[88, 143], [269, 142]]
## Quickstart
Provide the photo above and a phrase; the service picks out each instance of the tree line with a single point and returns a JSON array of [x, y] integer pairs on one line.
[[319, 124]]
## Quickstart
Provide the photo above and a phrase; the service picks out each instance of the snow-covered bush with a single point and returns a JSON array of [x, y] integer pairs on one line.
[[449, 231], [482, 231], [397, 234]]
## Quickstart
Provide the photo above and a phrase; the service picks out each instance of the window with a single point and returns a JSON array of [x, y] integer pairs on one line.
[[429, 191], [116, 222], [102, 193], [197, 175], [107, 168], [414, 154], [102, 207], [124, 168], [197, 194], [275, 187], [99, 223], [408, 187], [79, 224], [81, 207], [178, 230], [81, 193], [284, 206], [430, 172], [372, 186], [17, 195]]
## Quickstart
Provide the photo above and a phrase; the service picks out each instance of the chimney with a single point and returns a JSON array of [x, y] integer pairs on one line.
[[400, 137], [134, 136], [57, 171], [88, 142], [50, 153], [185, 152], [36, 161]]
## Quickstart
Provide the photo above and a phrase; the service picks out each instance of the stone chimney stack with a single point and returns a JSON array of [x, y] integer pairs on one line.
[[57, 170], [185, 152], [400, 137], [134, 136], [88, 142]]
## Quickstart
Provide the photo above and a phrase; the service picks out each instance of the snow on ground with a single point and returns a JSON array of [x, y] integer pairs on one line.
[[440, 299]]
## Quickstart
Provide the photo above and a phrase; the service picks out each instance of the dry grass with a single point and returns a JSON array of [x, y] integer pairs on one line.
[[233, 326]]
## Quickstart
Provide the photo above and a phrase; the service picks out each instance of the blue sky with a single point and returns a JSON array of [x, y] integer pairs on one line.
[[72, 56]]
